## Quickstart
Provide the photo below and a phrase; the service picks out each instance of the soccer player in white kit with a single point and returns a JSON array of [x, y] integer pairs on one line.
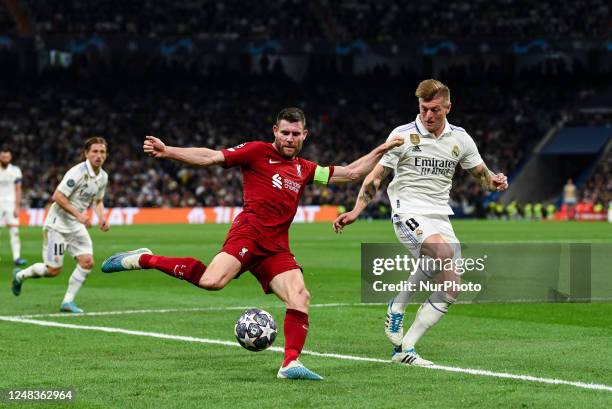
[[10, 202], [419, 192], [66, 224]]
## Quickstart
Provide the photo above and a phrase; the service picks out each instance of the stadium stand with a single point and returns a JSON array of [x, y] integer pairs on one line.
[[325, 19], [507, 103], [47, 121]]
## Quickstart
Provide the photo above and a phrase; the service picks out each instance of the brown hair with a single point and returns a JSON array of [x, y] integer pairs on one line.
[[291, 114], [430, 89], [92, 141]]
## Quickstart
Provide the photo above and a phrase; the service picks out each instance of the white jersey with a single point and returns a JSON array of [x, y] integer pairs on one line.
[[424, 167], [9, 177], [81, 186]]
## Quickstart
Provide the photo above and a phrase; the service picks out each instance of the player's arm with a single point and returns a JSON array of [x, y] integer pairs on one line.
[[489, 180], [362, 166], [155, 148], [63, 202], [99, 209], [368, 190]]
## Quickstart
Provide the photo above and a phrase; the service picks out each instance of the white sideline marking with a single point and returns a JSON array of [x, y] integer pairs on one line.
[[240, 308], [169, 310], [505, 375]]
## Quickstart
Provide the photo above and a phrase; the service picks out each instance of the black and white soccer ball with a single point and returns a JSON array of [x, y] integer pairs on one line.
[[255, 330]]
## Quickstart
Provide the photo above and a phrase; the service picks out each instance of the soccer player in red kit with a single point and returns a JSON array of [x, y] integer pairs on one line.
[[274, 178]]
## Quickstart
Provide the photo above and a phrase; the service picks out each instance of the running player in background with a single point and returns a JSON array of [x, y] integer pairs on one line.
[[10, 202], [419, 194], [274, 178], [65, 228]]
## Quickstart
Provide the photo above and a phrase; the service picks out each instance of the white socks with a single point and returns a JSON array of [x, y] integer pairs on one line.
[[15, 243], [34, 271], [430, 312], [78, 277], [402, 299]]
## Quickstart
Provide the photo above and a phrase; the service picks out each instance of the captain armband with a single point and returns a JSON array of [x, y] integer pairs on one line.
[[321, 176]]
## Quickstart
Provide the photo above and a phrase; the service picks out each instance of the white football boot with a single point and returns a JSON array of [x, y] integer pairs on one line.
[[409, 357]]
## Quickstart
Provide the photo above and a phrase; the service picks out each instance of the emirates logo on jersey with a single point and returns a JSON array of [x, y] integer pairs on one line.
[[277, 181]]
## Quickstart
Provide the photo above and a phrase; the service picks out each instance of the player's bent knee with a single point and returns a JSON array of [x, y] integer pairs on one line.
[[53, 271], [444, 252], [212, 283], [87, 265], [298, 299]]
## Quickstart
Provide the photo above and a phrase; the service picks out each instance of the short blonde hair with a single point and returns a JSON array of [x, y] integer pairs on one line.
[[430, 89]]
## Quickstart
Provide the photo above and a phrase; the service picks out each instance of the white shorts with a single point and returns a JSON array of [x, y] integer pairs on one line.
[[55, 244], [412, 229], [7, 216]]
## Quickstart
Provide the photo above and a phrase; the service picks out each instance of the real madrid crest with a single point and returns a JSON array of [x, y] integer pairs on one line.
[[414, 138], [456, 151]]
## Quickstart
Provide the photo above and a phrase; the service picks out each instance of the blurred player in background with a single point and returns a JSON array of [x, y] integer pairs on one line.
[[570, 199], [274, 179], [65, 228], [419, 194], [10, 202]]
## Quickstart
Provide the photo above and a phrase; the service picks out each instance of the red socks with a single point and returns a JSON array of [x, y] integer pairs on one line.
[[296, 330], [183, 268], [190, 269]]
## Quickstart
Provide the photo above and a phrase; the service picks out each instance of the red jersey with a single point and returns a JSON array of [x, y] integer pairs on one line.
[[272, 187]]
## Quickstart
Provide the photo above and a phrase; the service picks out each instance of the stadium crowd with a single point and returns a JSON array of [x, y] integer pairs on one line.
[[47, 120], [469, 19], [343, 20], [598, 188]]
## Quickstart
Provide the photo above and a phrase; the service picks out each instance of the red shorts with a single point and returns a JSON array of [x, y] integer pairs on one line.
[[263, 264]]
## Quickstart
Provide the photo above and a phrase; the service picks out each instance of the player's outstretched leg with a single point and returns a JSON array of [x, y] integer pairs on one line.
[[128, 260], [221, 270], [289, 287], [36, 270]]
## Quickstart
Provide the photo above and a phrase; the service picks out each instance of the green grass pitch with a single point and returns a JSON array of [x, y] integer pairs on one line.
[[570, 342]]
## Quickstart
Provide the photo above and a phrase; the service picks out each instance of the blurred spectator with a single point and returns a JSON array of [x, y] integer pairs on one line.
[[598, 188], [337, 20], [46, 121]]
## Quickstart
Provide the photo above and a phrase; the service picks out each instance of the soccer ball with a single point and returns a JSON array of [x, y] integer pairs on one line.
[[255, 330]]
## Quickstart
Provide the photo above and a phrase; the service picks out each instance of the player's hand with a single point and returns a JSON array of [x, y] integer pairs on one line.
[[154, 147], [84, 219], [500, 182], [344, 220], [104, 226], [394, 142]]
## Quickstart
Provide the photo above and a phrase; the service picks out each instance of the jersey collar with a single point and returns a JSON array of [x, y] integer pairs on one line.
[[90, 170], [423, 131]]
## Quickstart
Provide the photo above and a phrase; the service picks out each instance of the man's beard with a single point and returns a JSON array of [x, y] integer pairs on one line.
[[280, 149]]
